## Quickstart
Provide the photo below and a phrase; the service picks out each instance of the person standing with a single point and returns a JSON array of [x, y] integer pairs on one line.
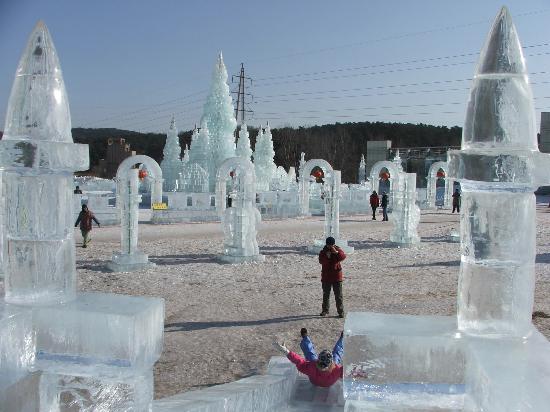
[[374, 203], [456, 201], [85, 218], [384, 205], [77, 191], [332, 276]]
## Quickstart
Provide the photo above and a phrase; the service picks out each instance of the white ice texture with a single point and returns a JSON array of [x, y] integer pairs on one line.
[[490, 357], [263, 159], [406, 214], [171, 163], [218, 115], [239, 221], [198, 168], [243, 144]]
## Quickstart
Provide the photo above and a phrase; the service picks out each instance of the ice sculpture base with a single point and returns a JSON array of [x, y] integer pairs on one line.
[[454, 236], [132, 262], [318, 245], [405, 241], [242, 259]]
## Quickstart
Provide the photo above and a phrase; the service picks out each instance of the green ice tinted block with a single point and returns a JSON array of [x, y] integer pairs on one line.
[[100, 328]]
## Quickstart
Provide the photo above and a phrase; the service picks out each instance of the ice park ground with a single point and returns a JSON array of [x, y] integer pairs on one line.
[[221, 318]]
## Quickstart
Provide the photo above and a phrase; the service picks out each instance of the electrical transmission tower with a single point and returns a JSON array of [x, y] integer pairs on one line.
[[241, 106]]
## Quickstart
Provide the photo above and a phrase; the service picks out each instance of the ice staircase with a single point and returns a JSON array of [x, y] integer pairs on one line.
[[281, 389]]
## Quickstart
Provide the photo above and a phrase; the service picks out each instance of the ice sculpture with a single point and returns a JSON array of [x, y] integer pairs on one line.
[[331, 198], [38, 157], [243, 144], [199, 153], [362, 173], [292, 182], [60, 350], [263, 159], [130, 257], [406, 214], [218, 115], [394, 169], [171, 163], [433, 175], [242, 217], [490, 357]]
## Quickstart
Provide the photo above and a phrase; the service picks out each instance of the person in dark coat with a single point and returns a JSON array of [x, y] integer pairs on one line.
[[85, 218], [456, 201], [332, 276], [384, 205], [77, 191], [374, 203]]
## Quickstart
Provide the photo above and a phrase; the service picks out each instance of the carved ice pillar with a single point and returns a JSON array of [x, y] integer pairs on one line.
[[38, 158], [499, 167], [332, 206], [156, 190], [128, 198], [406, 214], [303, 193]]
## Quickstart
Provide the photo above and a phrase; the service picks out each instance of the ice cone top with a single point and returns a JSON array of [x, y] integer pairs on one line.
[[502, 51], [38, 108], [500, 116], [173, 123]]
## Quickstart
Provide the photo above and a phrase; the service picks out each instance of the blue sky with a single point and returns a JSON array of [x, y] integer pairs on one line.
[[132, 64]]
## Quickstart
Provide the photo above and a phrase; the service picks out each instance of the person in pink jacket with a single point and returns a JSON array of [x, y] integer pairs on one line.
[[326, 370]]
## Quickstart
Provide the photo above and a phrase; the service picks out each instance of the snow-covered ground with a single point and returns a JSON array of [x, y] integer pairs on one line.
[[221, 319]]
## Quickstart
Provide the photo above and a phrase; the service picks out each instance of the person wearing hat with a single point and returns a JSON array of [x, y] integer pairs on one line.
[[332, 276], [323, 370]]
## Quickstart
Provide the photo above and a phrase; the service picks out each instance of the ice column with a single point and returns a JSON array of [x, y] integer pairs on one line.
[[243, 144], [38, 158], [361, 178], [406, 214], [130, 258], [241, 219], [499, 167], [171, 164]]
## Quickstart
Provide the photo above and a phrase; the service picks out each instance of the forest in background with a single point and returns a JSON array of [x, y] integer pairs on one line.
[[341, 144]]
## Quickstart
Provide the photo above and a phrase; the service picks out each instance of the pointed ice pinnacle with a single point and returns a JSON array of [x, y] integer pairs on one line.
[[38, 108], [500, 112]]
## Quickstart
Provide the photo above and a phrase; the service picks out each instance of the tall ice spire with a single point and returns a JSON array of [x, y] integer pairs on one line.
[[38, 108], [38, 158], [499, 168]]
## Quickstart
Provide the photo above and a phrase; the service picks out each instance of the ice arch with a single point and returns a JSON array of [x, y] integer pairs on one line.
[[432, 181], [304, 181], [394, 171], [152, 167], [245, 181]]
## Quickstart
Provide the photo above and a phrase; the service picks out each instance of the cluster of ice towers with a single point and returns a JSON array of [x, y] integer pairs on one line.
[[214, 142], [60, 350], [63, 350]]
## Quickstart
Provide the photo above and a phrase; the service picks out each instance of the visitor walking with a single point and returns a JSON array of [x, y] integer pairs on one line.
[[456, 201], [384, 205], [374, 203], [77, 191], [85, 218], [323, 370], [332, 276]]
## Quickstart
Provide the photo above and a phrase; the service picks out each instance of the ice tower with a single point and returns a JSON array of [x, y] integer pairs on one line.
[[406, 214], [243, 144], [38, 158], [218, 114], [490, 357], [362, 173], [60, 350], [171, 164], [263, 159]]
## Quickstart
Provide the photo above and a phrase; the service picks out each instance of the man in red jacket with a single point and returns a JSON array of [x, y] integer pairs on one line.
[[332, 276], [374, 203], [326, 370]]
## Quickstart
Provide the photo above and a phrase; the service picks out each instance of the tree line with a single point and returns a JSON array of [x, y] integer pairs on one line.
[[341, 144]]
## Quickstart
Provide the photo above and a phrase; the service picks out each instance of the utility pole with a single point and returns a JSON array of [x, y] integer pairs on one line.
[[240, 107]]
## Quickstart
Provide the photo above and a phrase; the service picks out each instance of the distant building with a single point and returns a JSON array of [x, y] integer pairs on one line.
[[117, 151], [377, 151], [544, 142]]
